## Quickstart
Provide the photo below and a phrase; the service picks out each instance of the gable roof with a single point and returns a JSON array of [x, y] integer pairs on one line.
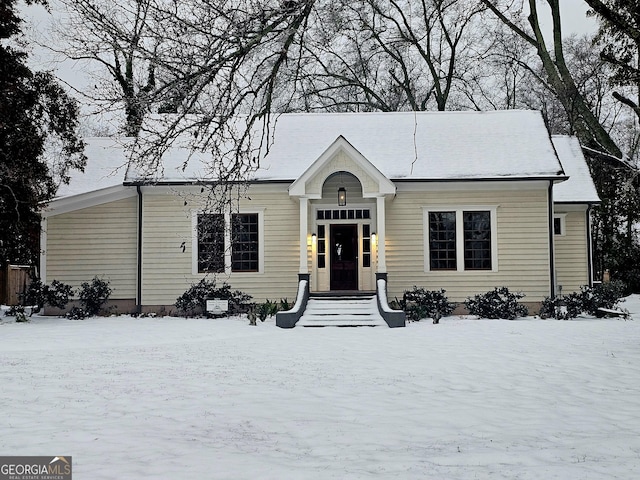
[[579, 188], [360, 167], [420, 145], [402, 146]]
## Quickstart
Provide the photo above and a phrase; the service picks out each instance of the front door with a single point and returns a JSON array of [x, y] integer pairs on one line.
[[344, 257]]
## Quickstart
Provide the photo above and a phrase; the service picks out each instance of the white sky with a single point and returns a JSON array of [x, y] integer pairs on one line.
[[75, 74]]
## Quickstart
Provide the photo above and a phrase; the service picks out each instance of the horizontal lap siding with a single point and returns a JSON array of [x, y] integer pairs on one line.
[[571, 253], [167, 269], [281, 248], [523, 243], [166, 258], [100, 240]]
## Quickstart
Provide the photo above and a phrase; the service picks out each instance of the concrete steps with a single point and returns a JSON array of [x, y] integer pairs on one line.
[[341, 311]]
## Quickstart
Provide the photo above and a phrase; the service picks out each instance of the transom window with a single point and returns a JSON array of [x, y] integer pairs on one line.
[[460, 239], [344, 214]]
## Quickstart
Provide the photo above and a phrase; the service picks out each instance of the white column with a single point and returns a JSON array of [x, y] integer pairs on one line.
[[381, 220], [304, 226]]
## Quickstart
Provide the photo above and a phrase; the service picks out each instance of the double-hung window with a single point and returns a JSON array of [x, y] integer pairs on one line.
[[228, 243], [442, 240], [477, 240], [211, 243], [460, 239], [244, 246]]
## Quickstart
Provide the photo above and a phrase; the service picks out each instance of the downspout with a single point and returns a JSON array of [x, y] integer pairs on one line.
[[139, 272], [552, 254], [589, 247]]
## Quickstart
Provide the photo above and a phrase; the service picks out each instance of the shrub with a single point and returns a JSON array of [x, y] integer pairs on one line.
[[77, 313], [57, 294], [267, 309], [194, 300], [38, 294], [93, 295], [562, 308], [499, 303], [284, 304], [420, 303], [34, 295], [604, 295], [18, 312]]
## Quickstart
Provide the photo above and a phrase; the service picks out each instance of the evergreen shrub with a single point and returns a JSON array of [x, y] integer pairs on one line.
[[498, 303], [194, 300], [420, 303]]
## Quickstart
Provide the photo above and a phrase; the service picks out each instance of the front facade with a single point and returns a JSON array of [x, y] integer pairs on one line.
[[351, 212]]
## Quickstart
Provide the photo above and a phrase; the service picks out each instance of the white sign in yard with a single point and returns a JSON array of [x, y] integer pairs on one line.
[[217, 306]]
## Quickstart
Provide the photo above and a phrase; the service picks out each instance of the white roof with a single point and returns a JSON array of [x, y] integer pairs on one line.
[[579, 187], [419, 145], [401, 145], [106, 167]]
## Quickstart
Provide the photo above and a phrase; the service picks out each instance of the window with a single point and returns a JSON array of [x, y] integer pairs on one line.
[[366, 245], [322, 246], [210, 243], [559, 224], [244, 242], [442, 240], [477, 240], [227, 242], [345, 214], [460, 239]]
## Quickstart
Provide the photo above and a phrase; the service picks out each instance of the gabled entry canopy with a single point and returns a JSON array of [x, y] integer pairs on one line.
[[341, 156]]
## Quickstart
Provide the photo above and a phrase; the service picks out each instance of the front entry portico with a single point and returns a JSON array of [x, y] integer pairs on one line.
[[342, 246]]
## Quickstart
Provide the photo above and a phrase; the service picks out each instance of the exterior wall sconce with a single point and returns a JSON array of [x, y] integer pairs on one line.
[[373, 238], [313, 238], [342, 197]]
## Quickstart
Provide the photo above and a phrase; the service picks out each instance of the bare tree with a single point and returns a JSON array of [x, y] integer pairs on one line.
[[388, 55], [620, 36], [582, 118]]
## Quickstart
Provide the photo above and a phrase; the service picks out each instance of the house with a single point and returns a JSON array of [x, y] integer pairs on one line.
[[464, 201]]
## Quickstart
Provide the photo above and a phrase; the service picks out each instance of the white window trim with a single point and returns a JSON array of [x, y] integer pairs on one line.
[[459, 210], [563, 224], [227, 241]]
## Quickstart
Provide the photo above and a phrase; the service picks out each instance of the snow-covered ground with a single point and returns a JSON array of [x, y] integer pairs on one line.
[[171, 398]]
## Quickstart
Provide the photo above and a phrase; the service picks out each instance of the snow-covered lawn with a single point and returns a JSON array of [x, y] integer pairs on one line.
[[170, 398]]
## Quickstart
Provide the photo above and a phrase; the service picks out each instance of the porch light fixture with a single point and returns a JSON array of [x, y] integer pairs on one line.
[[373, 238], [342, 197]]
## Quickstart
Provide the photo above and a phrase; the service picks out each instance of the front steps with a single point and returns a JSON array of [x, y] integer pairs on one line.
[[341, 311]]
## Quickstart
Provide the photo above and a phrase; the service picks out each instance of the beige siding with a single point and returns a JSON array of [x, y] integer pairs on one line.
[[571, 253], [99, 240], [522, 242], [168, 252]]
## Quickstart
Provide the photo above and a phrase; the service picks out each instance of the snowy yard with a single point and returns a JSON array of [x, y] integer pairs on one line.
[[170, 398]]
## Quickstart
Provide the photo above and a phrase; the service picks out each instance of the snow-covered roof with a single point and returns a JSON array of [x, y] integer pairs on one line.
[[419, 145], [579, 188], [401, 145], [106, 167]]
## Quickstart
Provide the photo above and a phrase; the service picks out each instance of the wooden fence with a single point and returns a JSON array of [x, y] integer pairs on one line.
[[14, 280]]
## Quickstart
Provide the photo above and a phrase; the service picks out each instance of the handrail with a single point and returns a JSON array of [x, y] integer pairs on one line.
[[394, 318], [289, 318]]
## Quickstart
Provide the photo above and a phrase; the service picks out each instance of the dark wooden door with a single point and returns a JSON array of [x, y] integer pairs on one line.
[[344, 257]]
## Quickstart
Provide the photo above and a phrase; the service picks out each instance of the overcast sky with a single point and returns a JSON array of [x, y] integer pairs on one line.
[[38, 22]]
